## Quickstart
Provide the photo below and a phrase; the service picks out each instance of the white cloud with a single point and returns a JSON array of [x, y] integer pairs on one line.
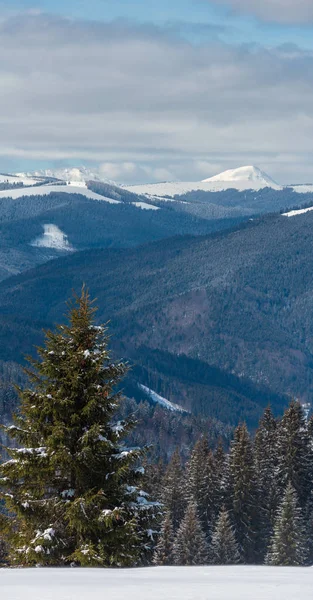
[[281, 11], [147, 105]]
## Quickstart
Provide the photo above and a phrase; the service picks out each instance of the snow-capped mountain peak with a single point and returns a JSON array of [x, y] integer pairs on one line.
[[244, 178], [72, 174], [248, 173]]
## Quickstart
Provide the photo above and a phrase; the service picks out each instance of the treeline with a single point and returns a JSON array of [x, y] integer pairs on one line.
[[252, 505]]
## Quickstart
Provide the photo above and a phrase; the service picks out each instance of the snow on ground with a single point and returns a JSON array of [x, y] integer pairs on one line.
[[249, 173], [145, 206], [53, 237], [73, 174], [44, 190], [160, 400], [303, 189], [154, 583], [18, 178], [244, 178], [300, 211]]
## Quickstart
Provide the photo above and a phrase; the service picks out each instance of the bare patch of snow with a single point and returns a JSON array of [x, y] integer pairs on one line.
[[53, 238], [145, 206], [294, 213], [162, 401]]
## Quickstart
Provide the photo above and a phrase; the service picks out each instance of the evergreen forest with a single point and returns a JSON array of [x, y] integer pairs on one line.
[[78, 486]]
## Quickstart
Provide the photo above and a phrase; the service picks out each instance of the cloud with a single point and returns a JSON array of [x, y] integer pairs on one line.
[[145, 104], [280, 11]]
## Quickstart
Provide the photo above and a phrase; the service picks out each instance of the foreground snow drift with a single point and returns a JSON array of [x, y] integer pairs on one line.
[[170, 583]]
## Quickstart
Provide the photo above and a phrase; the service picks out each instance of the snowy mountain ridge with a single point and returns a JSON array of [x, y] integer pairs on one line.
[[73, 174], [249, 173], [241, 179]]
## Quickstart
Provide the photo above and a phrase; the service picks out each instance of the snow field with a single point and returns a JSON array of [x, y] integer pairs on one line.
[[44, 190], [53, 237], [158, 583]]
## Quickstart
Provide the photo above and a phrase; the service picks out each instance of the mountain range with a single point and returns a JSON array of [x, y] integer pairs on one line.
[[208, 293]]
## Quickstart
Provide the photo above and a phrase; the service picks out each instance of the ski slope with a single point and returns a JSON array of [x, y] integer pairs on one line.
[[156, 583]]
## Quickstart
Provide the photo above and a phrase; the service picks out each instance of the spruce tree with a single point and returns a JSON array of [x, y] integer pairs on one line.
[[173, 493], [190, 546], [198, 481], [288, 547], [71, 484], [224, 548], [244, 496], [295, 456], [164, 548], [266, 460]]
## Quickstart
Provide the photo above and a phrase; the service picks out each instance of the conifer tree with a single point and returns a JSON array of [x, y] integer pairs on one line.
[[164, 548], [224, 548], [173, 493], [266, 459], [219, 481], [244, 496], [295, 457], [71, 484], [288, 547], [190, 546], [198, 481]]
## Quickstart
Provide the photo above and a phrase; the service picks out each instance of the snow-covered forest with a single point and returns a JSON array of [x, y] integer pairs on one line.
[[76, 493]]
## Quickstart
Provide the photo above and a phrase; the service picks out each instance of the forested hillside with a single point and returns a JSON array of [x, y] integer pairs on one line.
[[86, 223], [238, 300]]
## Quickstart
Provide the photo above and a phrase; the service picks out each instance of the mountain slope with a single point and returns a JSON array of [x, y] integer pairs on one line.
[[245, 174], [86, 223], [240, 300], [244, 178]]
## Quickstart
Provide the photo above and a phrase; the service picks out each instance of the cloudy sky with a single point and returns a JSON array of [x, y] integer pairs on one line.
[[151, 91]]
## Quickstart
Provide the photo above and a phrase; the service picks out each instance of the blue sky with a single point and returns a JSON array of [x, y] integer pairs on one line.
[[238, 28], [153, 90]]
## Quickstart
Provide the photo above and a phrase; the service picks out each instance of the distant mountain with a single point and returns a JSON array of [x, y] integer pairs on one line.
[[73, 174], [43, 222], [244, 174], [240, 300], [244, 178]]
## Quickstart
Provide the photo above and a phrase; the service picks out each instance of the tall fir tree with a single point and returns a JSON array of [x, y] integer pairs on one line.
[[173, 495], [244, 496], [71, 485], [164, 549], [224, 548], [295, 455], [198, 481], [190, 545], [266, 460], [288, 544]]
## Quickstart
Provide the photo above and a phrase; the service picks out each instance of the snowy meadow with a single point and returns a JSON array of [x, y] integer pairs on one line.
[[170, 583]]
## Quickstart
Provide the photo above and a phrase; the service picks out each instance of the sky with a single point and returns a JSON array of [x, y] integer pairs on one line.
[[151, 91]]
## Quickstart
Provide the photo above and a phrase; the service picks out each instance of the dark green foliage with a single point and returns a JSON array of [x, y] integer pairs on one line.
[[198, 489], [294, 453], [288, 545], [224, 548], [190, 546], [266, 461], [244, 495], [71, 484], [164, 549], [173, 491]]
